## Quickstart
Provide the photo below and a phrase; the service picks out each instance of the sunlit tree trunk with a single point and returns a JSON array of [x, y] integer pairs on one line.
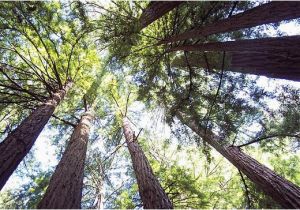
[[272, 12], [65, 187], [18, 143], [100, 197], [281, 190], [155, 10], [151, 192]]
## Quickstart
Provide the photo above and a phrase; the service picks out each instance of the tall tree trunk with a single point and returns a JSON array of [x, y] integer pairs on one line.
[[286, 43], [155, 10], [151, 192], [276, 57], [18, 143], [65, 187], [272, 12], [281, 190], [284, 65]]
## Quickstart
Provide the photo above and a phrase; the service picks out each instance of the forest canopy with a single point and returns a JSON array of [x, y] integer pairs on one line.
[[149, 104]]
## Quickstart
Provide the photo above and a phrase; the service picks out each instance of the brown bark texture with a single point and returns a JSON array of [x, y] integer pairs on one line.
[[272, 12], [151, 192], [155, 10], [65, 187], [18, 143], [287, 43], [275, 57], [284, 192], [283, 65]]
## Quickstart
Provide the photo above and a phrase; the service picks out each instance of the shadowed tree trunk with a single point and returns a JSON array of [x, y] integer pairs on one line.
[[155, 10], [151, 192], [281, 190], [287, 43], [284, 65], [272, 12], [275, 57], [65, 187], [18, 143]]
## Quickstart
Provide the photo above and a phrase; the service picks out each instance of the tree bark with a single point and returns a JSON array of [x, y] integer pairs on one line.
[[271, 57], [18, 143], [281, 190], [286, 43], [284, 65], [65, 187], [272, 12], [151, 192], [155, 10]]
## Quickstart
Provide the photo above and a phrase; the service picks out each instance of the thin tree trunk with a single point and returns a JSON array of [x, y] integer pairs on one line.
[[151, 192], [287, 43], [65, 187], [272, 12], [281, 190], [155, 10], [100, 198], [18, 143]]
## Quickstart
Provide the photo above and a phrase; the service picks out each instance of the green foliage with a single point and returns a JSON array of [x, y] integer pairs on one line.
[[116, 66], [125, 199], [28, 196]]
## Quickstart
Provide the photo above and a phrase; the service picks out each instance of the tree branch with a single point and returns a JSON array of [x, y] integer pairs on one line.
[[247, 193], [64, 121], [268, 137]]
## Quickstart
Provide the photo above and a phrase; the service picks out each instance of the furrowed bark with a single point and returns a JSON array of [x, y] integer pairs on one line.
[[151, 192], [155, 10], [65, 187], [281, 190], [275, 57], [287, 43], [284, 65], [272, 12], [18, 143]]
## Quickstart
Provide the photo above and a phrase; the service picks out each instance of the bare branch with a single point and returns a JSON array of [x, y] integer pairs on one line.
[[268, 137]]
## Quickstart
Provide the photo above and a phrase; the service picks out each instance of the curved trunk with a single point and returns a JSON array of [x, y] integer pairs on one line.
[[272, 12], [65, 187], [18, 143], [151, 192], [281, 190], [155, 10]]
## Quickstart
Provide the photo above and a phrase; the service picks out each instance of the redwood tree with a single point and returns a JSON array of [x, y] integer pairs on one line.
[[155, 10], [272, 12], [18, 143], [285, 43], [281, 190], [65, 187], [274, 57], [283, 65], [151, 192], [36, 70]]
